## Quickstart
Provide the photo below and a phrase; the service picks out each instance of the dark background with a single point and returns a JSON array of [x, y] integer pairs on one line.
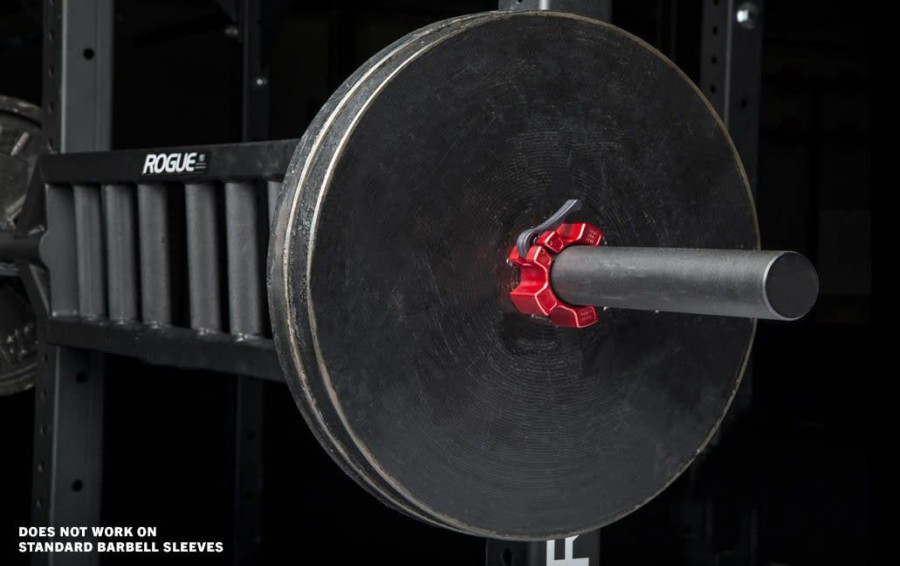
[[788, 482]]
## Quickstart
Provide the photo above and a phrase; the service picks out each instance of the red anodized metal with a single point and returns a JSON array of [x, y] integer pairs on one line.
[[534, 295]]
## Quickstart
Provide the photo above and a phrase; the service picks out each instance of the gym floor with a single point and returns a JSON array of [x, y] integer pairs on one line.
[[787, 483]]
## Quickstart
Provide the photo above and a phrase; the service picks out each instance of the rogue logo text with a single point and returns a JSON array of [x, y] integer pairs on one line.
[[178, 162]]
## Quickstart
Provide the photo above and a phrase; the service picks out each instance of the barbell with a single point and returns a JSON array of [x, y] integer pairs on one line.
[[476, 356], [393, 268]]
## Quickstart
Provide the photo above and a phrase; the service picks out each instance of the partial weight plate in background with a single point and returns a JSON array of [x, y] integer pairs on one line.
[[21, 141]]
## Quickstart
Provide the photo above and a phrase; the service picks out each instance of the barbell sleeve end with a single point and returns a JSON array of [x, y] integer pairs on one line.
[[775, 285]]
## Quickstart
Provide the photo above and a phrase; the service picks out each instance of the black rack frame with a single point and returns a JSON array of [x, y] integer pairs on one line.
[[75, 327]]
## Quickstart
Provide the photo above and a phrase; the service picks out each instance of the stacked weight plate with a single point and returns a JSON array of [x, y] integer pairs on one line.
[[388, 285]]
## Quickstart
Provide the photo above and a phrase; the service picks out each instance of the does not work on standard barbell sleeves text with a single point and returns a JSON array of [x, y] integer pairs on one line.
[[120, 546], [77, 542]]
